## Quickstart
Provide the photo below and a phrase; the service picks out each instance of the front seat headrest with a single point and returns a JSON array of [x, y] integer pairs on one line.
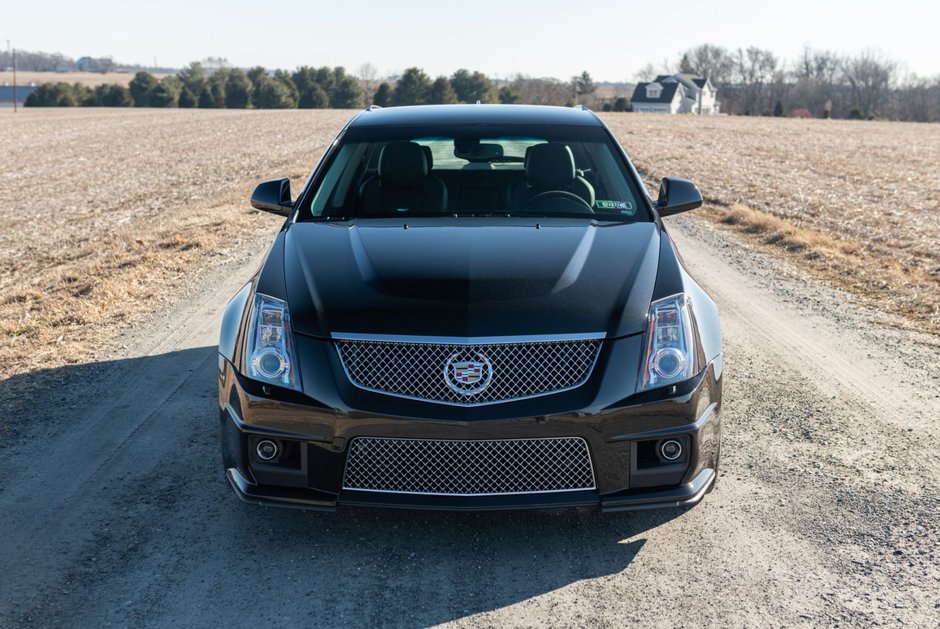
[[403, 163], [549, 166], [428, 155]]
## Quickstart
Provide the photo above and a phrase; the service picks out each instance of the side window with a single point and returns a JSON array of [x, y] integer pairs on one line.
[[614, 195], [333, 192]]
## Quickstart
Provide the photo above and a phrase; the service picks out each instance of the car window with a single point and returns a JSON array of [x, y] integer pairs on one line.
[[475, 171]]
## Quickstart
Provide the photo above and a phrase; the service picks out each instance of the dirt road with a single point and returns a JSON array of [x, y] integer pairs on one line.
[[114, 509]]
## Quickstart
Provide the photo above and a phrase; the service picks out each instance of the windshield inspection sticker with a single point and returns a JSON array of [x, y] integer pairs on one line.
[[623, 206]]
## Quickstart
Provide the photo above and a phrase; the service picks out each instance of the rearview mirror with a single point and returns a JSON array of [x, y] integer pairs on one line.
[[475, 151], [677, 195], [273, 196]]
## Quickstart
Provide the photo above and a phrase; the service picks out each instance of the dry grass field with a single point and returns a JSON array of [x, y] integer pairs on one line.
[[90, 79], [857, 203], [107, 213]]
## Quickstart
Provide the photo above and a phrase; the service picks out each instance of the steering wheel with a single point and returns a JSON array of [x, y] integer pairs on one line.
[[552, 198]]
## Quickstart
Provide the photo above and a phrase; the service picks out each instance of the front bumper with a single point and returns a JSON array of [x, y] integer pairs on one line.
[[615, 438]]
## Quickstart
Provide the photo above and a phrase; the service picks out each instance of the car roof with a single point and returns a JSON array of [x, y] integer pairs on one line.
[[475, 114]]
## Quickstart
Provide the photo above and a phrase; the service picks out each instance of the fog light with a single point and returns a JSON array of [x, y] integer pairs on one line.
[[670, 450], [266, 450]]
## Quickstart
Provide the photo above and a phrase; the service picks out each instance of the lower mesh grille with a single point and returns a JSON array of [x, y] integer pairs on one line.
[[462, 468]]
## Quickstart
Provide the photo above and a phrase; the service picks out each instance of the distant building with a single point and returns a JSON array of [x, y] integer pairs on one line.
[[676, 94], [89, 64], [22, 93]]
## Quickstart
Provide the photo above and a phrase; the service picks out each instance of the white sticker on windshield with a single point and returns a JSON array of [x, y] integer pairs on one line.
[[623, 206]]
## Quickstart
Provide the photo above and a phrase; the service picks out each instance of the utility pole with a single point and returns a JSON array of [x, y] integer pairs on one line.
[[14, 80]]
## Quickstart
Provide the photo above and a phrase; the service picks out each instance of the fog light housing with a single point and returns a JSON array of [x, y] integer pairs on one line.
[[670, 449], [266, 449]]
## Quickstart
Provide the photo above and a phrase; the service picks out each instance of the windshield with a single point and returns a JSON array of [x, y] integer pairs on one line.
[[475, 170]]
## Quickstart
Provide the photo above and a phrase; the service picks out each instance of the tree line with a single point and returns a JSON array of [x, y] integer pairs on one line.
[[750, 81], [213, 85], [819, 83], [213, 88]]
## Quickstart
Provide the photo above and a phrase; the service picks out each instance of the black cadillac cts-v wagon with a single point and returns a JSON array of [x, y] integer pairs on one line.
[[472, 307]]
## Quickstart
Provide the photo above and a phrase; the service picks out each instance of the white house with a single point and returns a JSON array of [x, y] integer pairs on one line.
[[676, 94]]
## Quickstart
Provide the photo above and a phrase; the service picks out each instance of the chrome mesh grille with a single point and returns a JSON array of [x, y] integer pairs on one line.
[[463, 468], [507, 371]]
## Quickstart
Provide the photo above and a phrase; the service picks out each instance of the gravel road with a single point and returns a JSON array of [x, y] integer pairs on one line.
[[114, 510]]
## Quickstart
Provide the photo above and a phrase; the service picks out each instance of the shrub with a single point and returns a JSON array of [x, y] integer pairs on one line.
[[346, 92], [84, 95], [166, 93], [314, 97], [193, 79], [621, 104], [188, 100], [383, 95], [52, 95], [237, 90], [283, 77], [509, 95], [413, 88], [113, 96], [441, 92], [472, 87], [213, 90], [802, 112], [271, 94], [140, 87]]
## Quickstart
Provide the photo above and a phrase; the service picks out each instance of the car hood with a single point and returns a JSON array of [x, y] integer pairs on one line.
[[470, 277]]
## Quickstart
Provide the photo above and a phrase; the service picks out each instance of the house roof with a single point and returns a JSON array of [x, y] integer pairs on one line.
[[665, 96]]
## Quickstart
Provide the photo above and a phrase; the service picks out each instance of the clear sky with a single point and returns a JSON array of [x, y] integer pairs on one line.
[[610, 39]]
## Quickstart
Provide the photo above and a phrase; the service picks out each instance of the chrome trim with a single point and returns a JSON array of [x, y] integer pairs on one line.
[[584, 444], [450, 362], [260, 455], [468, 340], [506, 493], [662, 449]]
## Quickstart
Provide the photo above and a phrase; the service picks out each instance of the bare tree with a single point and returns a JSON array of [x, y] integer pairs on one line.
[[815, 82], [214, 64], [870, 76], [755, 69], [650, 71], [540, 91], [368, 76], [713, 62]]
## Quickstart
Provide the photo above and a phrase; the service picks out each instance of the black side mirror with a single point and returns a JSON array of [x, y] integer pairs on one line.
[[677, 195], [273, 196]]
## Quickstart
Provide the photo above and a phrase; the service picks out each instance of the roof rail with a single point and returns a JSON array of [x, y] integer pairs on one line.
[[373, 107], [581, 106]]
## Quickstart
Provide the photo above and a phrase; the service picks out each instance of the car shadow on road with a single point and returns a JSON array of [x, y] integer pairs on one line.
[[178, 545], [433, 567]]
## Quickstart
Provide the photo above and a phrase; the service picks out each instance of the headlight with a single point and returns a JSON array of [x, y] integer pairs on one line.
[[270, 347], [670, 344]]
